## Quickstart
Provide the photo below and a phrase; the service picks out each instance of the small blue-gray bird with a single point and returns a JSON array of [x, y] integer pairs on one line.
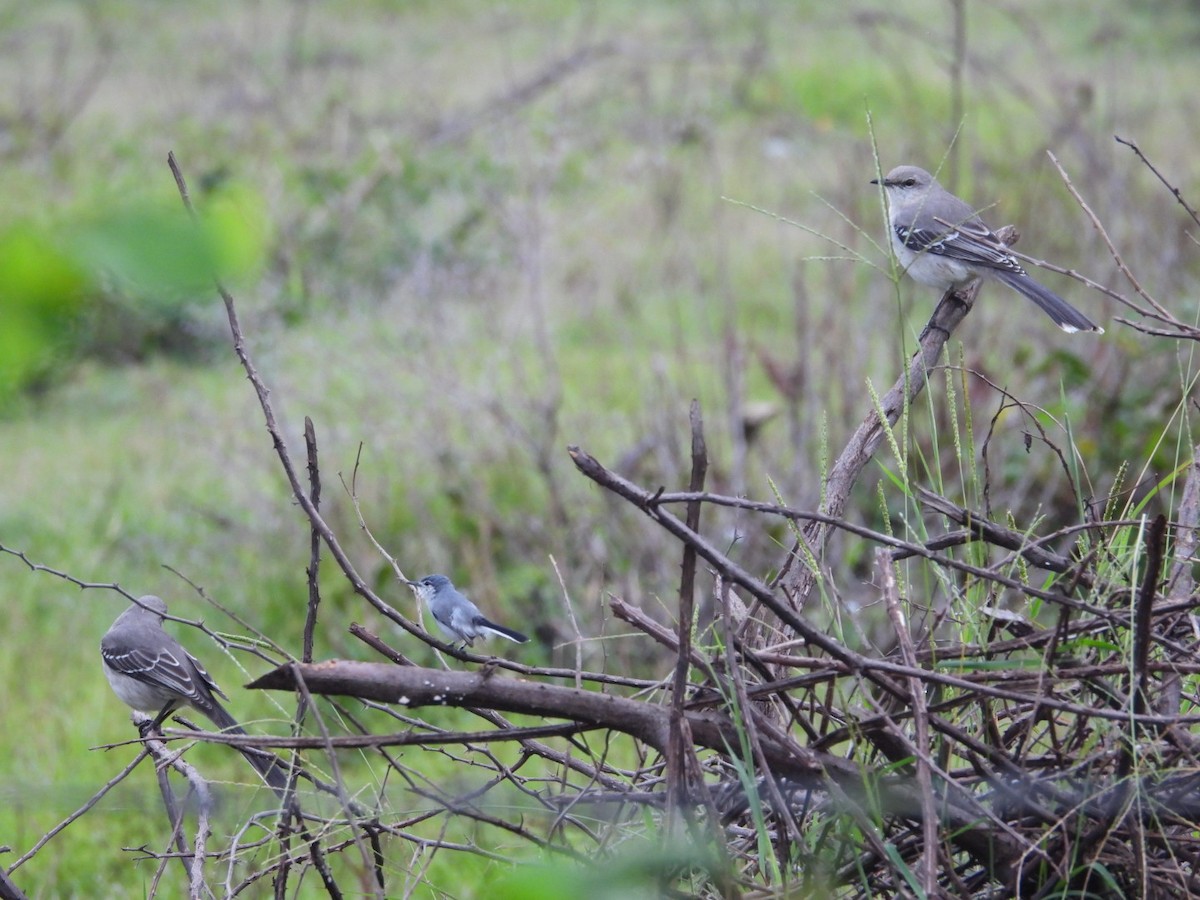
[[456, 615]]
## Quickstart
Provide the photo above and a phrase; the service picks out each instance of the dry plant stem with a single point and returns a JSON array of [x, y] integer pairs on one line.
[[280, 881], [405, 739], [796, 578], [677, 790], [196, 883], [1157, 174], [174, 815], [891, 600], [291, 809], [314, 562], [1143, 615], [377, 644], [321, 864], [571, 617], [1187, 536], [1162, 314], [65, 576]]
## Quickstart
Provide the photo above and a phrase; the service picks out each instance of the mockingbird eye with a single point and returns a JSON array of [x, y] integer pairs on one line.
[[910, 182]]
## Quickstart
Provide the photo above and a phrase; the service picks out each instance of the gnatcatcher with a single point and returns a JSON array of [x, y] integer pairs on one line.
[[458, 616]]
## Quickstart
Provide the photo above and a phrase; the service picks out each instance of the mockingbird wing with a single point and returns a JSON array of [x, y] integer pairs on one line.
[[170, 668], [970, 242]]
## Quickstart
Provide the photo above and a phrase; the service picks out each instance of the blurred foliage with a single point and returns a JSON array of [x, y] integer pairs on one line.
[[41, 292], [117, 283], [632, 875]]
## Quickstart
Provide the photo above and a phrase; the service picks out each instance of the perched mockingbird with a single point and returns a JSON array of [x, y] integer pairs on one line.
[[942, 243], [458, 616], [150, 671]]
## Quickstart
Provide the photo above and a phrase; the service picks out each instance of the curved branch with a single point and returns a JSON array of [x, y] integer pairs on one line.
[[414, 687], [798, 580]]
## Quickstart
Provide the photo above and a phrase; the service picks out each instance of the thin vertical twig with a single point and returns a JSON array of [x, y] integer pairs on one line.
[[1143, 613], [676, 770], [920, 714], [314, 561]]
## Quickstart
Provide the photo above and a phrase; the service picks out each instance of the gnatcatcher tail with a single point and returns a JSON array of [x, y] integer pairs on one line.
[[509, 633]]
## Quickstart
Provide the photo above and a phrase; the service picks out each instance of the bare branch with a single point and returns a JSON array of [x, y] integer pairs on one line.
[[1175, 192], [1160, 312], [676, 767], [796, 576]]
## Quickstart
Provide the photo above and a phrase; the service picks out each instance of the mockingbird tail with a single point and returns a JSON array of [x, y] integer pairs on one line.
[[1065, 316], [508, 633], [267, 764]]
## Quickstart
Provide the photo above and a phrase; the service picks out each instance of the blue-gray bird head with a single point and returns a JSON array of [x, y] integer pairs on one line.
[[431, 586]]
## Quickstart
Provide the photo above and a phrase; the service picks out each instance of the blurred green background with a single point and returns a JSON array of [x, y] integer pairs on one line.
[[464, 235]]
